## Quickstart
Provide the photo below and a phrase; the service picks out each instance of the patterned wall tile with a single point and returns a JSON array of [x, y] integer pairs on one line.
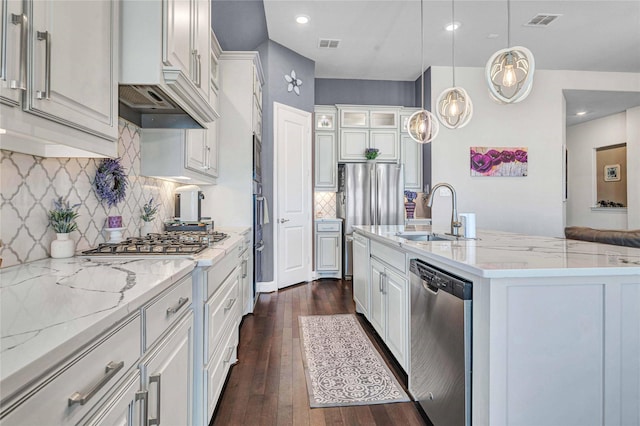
[[325, 204], [29, 185]]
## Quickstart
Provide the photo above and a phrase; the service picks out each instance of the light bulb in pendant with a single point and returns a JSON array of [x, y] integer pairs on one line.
[[509, 77], [453, 108]]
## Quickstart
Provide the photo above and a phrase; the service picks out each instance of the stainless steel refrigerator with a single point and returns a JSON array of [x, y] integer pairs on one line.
[[368, 194]]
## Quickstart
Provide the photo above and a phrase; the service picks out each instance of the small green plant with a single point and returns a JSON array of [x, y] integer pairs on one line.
[[63, 218], [149, 211], [371, 153]]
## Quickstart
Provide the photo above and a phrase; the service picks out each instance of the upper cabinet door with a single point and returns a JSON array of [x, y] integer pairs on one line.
[[178, 36], [13, 50], [73, 75], [201, 74]]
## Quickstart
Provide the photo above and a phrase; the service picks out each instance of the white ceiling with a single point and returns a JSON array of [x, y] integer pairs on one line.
[[380, 39]]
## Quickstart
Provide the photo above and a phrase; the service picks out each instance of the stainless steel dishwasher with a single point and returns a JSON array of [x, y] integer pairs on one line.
[[440, 371]]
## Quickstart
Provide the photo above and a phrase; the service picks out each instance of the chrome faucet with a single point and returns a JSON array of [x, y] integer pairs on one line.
[[455, 223]]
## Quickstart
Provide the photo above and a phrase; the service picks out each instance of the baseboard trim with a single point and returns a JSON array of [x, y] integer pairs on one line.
[[266, 287]]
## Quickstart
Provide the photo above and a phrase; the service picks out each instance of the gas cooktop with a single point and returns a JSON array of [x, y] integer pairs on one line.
[[167, 243]]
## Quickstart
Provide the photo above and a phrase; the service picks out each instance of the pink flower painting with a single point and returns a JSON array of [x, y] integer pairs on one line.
[[487, 161]]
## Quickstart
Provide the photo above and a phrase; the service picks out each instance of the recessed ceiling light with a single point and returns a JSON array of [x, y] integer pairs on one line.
[[453, 26], [492, 35], [581, 112], [302, 19]]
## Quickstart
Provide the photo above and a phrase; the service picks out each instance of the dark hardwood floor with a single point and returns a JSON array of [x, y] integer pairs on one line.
[[267, 386]]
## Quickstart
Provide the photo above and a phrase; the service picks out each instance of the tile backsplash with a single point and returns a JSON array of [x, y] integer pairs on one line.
[[30, 184], [325, 204]]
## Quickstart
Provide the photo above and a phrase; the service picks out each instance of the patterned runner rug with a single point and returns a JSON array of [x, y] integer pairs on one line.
[[342, 366]]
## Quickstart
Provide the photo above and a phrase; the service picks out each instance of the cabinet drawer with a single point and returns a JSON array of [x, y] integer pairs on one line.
[[389, 255], [217, 274], [328, 226], [219, 367], [96, 368], [166, 310], [221, 310]]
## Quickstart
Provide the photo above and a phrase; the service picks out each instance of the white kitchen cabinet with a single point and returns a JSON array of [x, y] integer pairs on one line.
[[328, 238], [59, 80], [361, 283], [179, 155], [353, 143], [68, 393], [241, 79], [378, 312], [245, 257], [325, 173], [125, 407], [167, 375], [362, 128], [166, 44], [325, 118], [389, 309], [411, 155]]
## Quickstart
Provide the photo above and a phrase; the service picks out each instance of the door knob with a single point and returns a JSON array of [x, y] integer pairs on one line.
[[284, 220]]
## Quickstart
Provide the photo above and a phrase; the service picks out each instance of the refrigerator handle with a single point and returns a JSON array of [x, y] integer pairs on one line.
[[373, 175]]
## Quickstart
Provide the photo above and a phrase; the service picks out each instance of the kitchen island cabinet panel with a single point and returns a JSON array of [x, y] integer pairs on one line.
[[361, 284], [555, 324]]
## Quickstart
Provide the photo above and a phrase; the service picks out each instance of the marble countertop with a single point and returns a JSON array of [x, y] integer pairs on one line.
[[50, 307], [496, 254]]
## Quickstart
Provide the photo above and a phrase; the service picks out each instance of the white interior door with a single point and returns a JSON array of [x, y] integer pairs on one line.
[[292, 142]]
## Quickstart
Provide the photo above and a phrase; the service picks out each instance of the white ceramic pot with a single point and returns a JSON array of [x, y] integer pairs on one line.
[[62, 246], [146, 228]]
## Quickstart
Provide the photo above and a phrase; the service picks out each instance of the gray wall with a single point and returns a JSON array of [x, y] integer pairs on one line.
[[426, 149], [330, 91], [239, 24], [277, 61]]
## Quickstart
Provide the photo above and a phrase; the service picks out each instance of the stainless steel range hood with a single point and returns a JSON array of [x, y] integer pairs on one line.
[[148, 106]]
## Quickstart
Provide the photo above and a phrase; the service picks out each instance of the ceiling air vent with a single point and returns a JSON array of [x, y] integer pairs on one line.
[[542, 20], [325, 43]]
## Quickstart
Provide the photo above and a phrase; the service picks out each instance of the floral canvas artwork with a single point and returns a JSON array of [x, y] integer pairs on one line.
[[492, 161]]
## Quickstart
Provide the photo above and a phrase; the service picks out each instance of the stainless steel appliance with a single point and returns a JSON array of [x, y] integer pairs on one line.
[[175, 243], [440, 378], [188, 203], [368, 194], [258, 212]]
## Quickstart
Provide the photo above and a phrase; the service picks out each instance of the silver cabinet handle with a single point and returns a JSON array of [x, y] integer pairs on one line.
[[208, 157], [199, 70], [155, 378], [46, 36], [380, 282], [229, 353], [245, 268], [144, 413], [110, 370], [384, 283], [23, 21], [181, 302], [230, 303], [284, 220]]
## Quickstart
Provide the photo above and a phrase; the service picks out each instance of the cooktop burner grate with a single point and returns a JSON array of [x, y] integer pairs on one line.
[[167, 243]]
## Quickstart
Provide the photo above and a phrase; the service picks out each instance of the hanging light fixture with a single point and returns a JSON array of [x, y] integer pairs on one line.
[[454, 107], [509, 72], [422, 126]]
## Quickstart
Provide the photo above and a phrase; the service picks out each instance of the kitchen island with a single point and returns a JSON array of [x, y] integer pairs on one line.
[[555, 322]]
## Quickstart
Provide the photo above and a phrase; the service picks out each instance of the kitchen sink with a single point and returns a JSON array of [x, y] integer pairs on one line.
[[423, 236]]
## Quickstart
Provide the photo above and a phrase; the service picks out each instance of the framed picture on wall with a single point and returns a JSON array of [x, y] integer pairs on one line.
[[611, 172]]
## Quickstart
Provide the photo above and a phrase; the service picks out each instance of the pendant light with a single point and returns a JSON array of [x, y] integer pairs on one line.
[[422, 126], [454, 108], [509, 72]]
